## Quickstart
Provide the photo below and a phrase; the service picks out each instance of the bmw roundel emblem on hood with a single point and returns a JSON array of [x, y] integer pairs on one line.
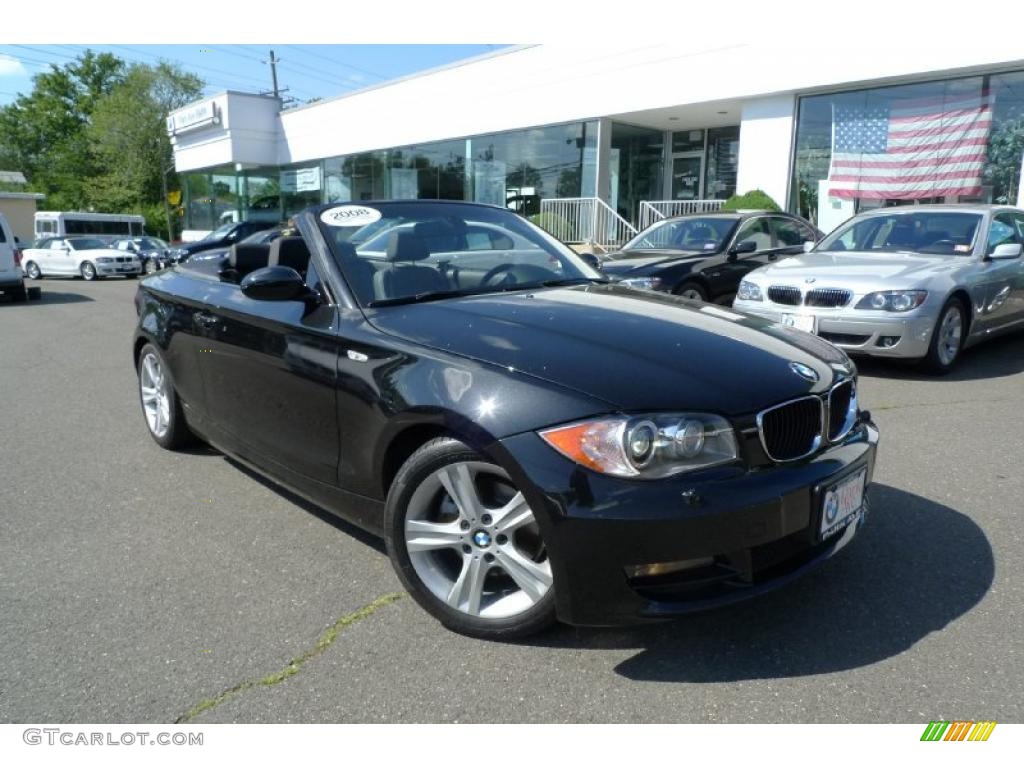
[[804, 371]]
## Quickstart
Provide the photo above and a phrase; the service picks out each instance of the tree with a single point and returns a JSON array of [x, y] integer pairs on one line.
[[128, 138], [42, 134]]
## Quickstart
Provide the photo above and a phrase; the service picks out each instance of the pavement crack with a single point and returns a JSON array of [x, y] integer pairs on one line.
[[944, 403], [294, 666]]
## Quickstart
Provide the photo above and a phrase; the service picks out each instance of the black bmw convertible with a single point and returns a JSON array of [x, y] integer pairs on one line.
[[533, 441]]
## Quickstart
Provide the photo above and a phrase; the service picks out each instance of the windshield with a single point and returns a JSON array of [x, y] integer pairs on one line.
[[699, 233], [419, 250], [150, 243], [262, 237], [86, 243], [931, 232]]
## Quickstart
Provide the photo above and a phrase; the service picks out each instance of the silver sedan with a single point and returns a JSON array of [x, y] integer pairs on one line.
[[921, 282]]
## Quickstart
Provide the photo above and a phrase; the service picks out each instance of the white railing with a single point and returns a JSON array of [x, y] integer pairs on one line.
[[655, 210], [585, 220]]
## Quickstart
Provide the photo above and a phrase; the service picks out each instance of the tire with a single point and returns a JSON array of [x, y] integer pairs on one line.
[[33, 271], [132, 277], [34, 292], [20, 295], [690, 289], [947, 338], [161, 407], [465, 543], [88, 270], [151, 267]]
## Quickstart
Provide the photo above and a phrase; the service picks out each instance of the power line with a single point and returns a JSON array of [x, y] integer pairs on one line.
[[335, 62]]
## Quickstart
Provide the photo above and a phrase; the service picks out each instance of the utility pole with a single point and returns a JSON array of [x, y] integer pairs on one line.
[[273, 71]]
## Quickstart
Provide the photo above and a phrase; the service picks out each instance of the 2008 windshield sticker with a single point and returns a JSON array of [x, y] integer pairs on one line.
[[349, 216]]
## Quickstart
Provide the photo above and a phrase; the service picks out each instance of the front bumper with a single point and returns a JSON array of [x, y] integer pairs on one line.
[[858, 331], [119, 268], [757, 527]]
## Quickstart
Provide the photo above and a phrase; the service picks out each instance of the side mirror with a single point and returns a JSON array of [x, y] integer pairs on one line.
[[591, 259], [747, 246], [1006, 251], [809, 246], [275, 284]]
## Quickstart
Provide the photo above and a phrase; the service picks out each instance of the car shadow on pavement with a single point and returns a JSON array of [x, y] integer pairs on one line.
[[343, 526], [915, 567], [999, 357], [57, 297]]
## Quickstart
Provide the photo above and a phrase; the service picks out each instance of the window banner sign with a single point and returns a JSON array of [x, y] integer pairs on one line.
[[301, 180], [489, 178], [404, 184]]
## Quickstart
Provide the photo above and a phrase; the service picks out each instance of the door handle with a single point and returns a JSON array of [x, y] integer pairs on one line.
[[204, 320]]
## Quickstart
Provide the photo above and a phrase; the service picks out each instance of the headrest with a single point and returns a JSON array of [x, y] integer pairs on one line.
[[502, 242], [245, 257], [406, 246], [289, 252], [439, 235]]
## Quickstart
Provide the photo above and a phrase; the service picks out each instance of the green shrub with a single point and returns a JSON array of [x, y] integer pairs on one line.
[[549, 222], [755, 199]]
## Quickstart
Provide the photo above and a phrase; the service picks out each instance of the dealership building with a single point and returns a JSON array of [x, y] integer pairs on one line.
[[601, 141]]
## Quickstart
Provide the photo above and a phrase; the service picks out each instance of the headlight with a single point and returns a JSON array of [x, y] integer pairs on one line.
[[647, 447], [893, 301], [749, 292], [646, 283], [104, 259]]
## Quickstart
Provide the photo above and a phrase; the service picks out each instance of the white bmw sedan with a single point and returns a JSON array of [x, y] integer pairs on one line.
[[86, 257]]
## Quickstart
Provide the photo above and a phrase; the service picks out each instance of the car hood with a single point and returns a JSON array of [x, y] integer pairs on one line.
[[635, 350], [630, 261], [843, 268]]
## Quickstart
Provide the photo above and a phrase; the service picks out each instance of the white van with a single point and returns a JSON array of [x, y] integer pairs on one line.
[[12, 279]]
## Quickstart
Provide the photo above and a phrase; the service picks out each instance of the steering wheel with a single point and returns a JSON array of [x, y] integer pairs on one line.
[[493, 272]]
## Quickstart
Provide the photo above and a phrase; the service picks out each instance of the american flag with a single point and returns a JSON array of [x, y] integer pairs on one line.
[[910, 148]]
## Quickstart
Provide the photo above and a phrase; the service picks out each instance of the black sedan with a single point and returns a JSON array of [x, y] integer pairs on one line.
[[153, 252], [532, 441], [223, 237], [704, 256]]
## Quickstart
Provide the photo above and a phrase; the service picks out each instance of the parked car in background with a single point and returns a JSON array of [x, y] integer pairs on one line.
[[85, 257], [263, 237], [222, 237], [153, 252], [704, 256], [920, 282], [12, 280], [513, 427]]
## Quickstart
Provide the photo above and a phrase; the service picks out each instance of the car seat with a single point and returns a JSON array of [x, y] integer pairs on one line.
[[401, 277]]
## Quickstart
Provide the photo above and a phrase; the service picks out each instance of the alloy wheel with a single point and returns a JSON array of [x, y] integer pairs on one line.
[[473, 541], [950, 332], [88, 271], [33, 270], [156, 394]]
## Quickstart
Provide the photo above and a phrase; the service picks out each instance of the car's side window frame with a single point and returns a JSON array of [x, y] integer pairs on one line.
[[1015, 232], [743, 225], [805, 232]]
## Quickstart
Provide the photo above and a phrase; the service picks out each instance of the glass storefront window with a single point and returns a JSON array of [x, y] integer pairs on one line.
[[637, 167], [688, 141], [723, 159], [943, 141]]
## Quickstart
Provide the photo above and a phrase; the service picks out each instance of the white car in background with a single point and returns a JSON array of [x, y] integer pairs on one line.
[[12, 282], [85, 257]]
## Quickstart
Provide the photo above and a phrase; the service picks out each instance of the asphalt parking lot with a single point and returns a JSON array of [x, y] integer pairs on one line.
[[138, 585]]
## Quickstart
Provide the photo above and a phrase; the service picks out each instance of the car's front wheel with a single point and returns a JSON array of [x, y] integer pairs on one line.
[[466, 544], [151, 266], [160, 404], [947, 338], [691, 290], [88, 270]]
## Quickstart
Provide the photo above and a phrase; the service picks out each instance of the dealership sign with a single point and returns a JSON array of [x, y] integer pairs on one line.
[[301, 180], [190, 118]]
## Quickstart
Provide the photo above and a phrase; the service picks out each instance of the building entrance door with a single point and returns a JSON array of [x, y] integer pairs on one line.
[[688, 175]]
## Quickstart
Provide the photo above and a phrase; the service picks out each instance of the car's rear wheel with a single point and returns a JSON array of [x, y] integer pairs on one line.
[[88, 270], [691, 290], [466, 544], [160, 404], [947, 338], [33, 271]]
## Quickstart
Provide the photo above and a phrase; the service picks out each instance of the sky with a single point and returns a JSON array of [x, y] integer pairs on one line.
[[308, 71]]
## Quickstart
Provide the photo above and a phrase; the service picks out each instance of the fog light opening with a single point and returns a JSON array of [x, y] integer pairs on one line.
[[660, 569], [888, 341]]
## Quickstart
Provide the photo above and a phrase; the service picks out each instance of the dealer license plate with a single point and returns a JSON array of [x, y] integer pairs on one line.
[[843, 503], [807, 323]]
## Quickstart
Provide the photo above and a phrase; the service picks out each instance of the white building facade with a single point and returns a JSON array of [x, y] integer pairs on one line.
[[620, 136]]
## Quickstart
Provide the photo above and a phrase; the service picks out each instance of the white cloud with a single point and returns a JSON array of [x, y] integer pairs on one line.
[[11, 67]]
